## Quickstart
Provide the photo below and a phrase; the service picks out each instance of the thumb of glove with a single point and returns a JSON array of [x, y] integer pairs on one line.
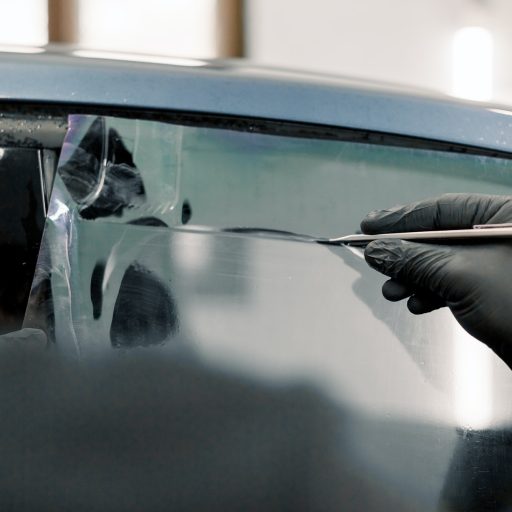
[[424, 266]]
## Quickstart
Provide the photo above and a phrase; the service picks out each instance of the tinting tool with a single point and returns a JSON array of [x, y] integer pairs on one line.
[[478, 232]]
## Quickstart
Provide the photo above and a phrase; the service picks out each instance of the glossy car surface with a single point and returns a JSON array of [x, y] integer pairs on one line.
[[216, 364]]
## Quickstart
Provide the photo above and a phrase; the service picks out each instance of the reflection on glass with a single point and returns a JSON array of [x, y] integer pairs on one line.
[[472, 381]]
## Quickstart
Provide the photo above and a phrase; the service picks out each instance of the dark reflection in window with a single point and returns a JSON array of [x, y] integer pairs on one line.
[[21, 226], [96, 289], [100, 173], [145, 312], [148, 221], [186, 212]]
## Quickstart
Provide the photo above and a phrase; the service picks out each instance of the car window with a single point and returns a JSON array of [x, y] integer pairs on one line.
[[138, 250], [224, 178], [319, 187]]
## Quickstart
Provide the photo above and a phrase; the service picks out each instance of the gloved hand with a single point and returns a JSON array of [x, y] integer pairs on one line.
[[473, 279]]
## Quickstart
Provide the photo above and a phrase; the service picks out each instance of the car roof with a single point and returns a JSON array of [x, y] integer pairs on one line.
[[86, 77]]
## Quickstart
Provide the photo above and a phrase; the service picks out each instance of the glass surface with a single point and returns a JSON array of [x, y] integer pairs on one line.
[[423, 409]]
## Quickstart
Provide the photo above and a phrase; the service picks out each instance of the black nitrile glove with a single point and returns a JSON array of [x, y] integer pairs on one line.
[[473, 279]]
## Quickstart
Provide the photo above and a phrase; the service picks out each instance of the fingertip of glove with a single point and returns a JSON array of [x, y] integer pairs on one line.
[[378, 248], [394, 290], [415, 306], [378, 221], [374, 247], [379, 254], [369, 224]]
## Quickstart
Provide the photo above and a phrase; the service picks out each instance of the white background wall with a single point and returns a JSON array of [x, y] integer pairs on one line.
[[399, 41], [23, 22], [184, 28]]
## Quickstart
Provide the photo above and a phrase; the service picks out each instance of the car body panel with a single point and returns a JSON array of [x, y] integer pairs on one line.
[[224, 89]]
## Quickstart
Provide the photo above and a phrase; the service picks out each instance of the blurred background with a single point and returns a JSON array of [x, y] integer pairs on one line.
[[458, 47]]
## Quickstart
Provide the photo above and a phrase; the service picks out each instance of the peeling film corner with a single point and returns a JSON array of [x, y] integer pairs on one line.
[[199, 204]]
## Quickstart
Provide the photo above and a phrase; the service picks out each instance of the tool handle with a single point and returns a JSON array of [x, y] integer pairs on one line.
[[477, 232]]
